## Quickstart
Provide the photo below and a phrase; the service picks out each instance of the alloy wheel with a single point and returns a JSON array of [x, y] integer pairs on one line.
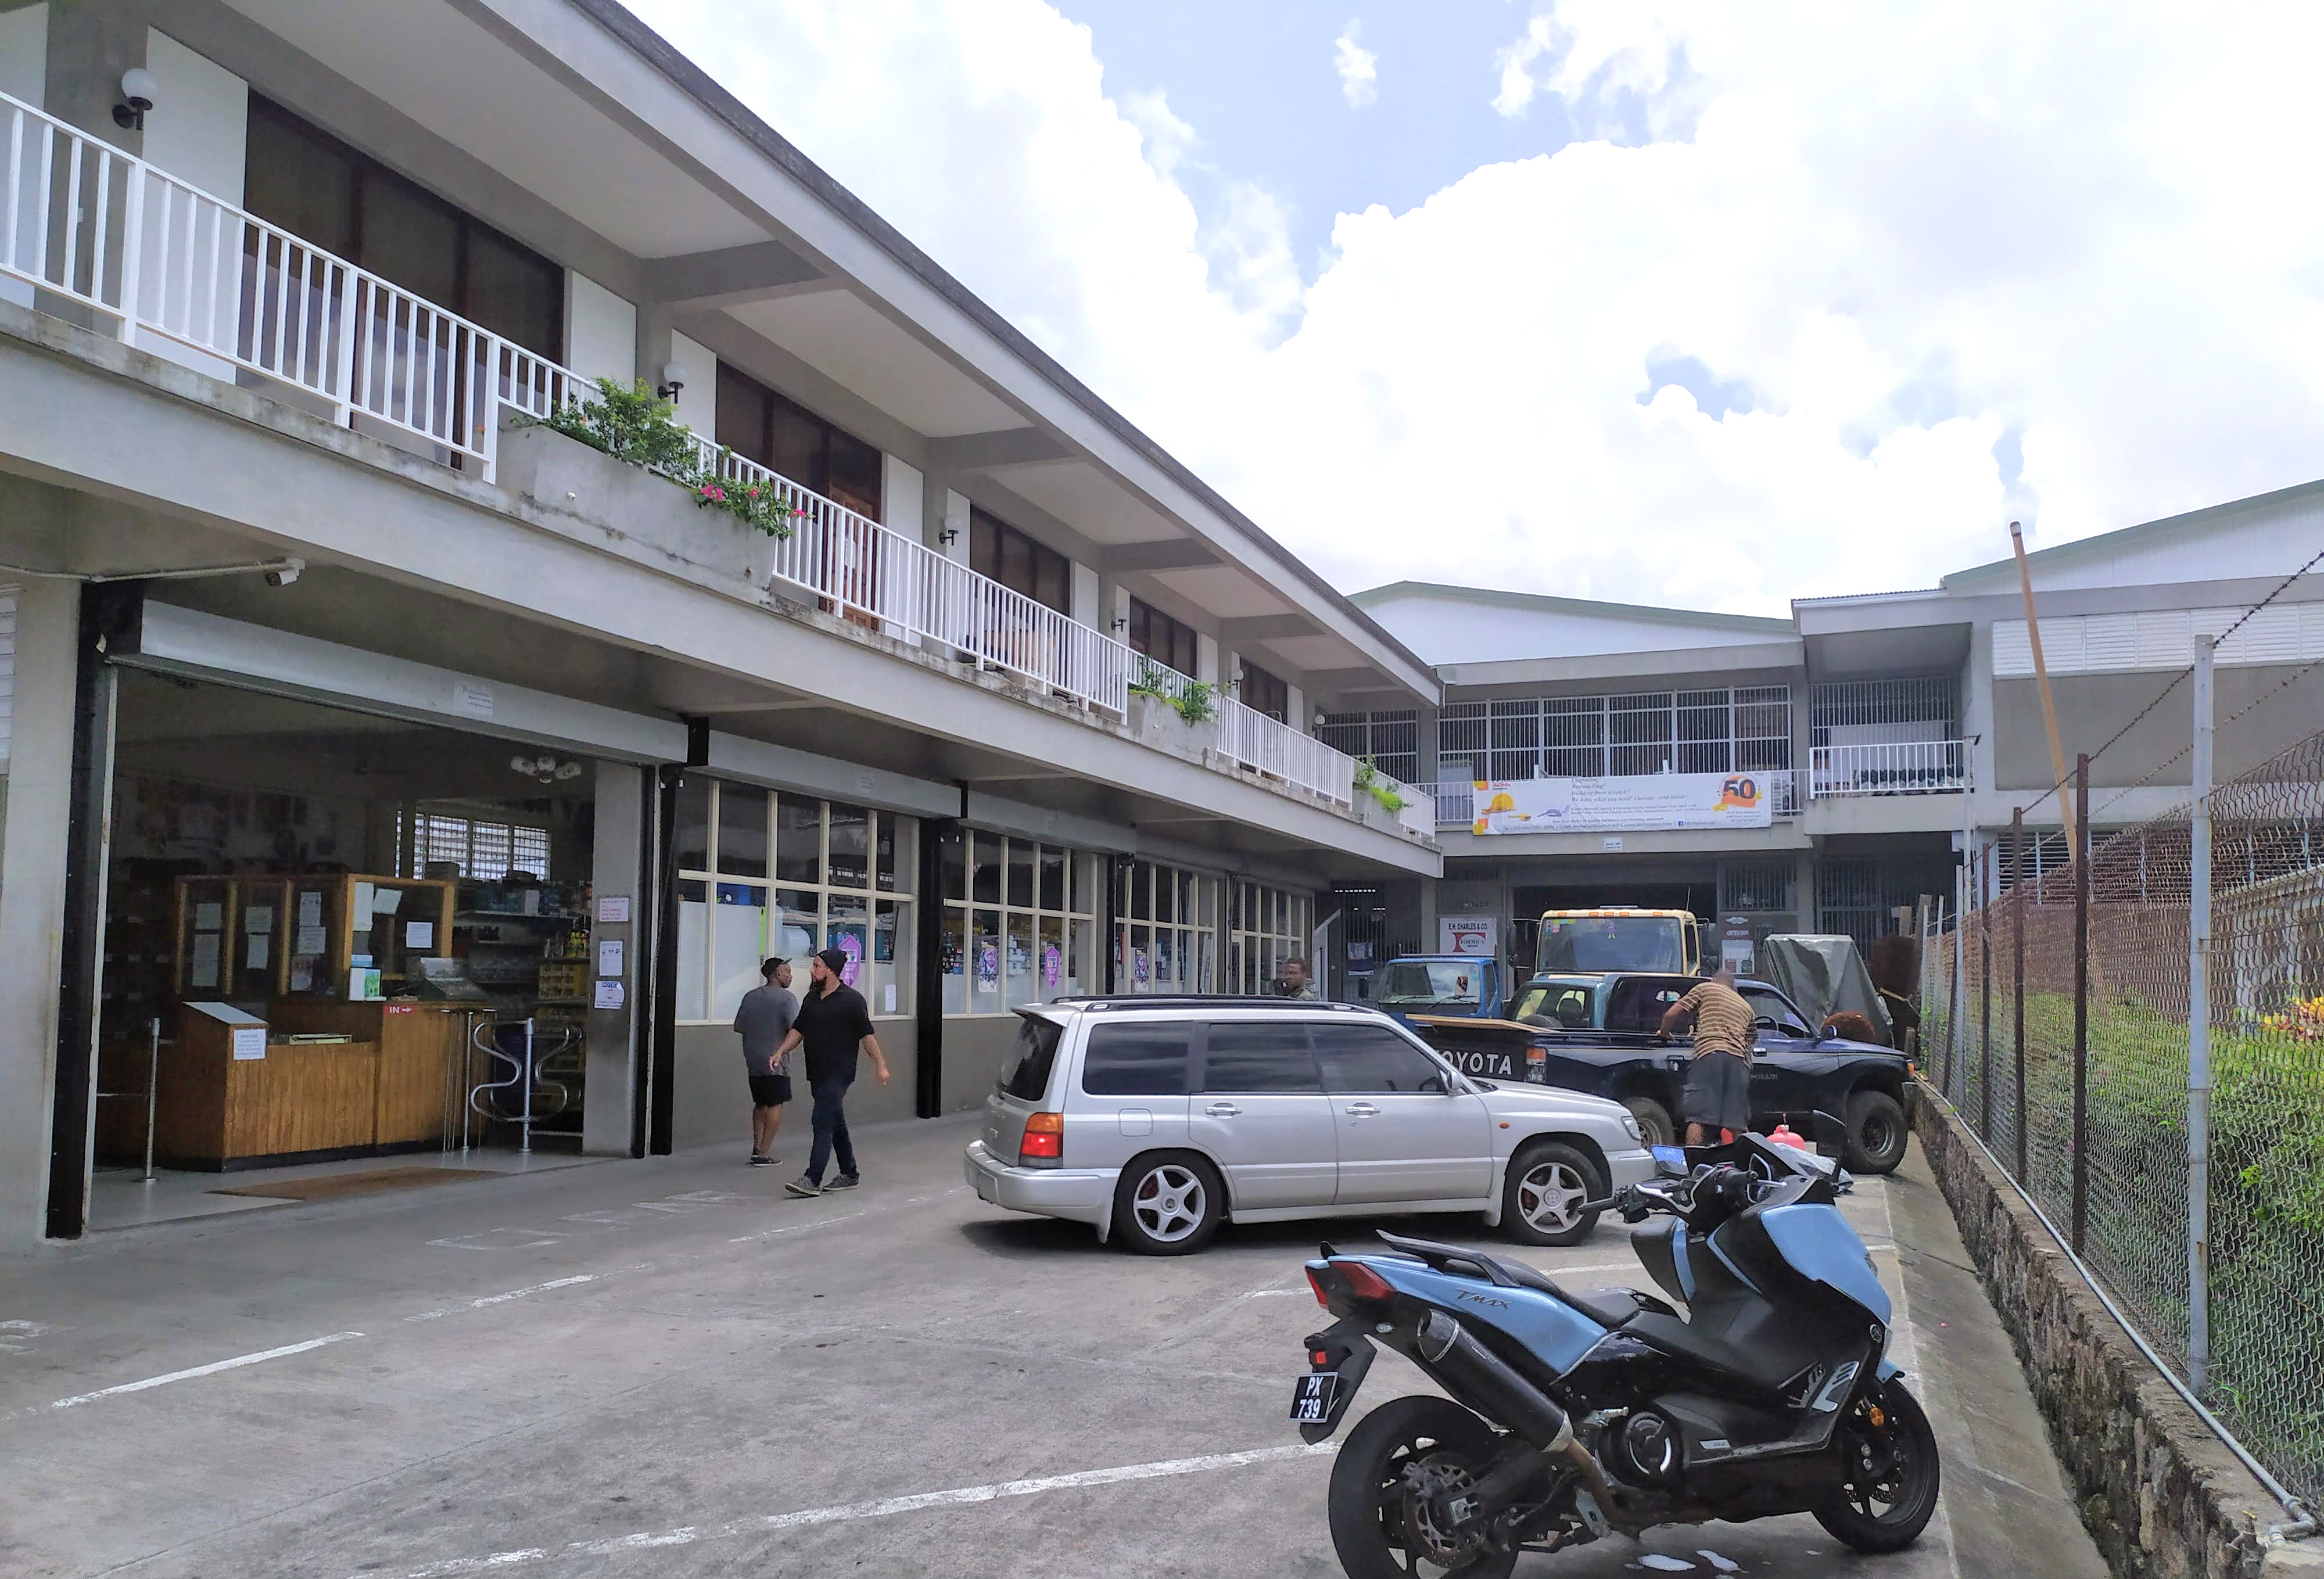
[[1169, 1203], [1550, 1194]]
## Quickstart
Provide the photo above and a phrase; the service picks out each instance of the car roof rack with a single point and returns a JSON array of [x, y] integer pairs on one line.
[[1101, 1001]]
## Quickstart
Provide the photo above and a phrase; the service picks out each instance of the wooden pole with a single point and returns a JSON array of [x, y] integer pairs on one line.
[[2067, 804]]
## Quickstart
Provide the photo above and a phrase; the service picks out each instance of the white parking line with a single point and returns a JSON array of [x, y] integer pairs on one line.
[[885, 1507], [212, 1369], [504, 1298]]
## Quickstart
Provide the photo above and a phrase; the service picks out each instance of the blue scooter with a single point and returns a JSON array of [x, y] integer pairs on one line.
[[1571, 1416]]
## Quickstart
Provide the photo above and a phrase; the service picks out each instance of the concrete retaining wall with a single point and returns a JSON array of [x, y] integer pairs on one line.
[[2162, 1497]]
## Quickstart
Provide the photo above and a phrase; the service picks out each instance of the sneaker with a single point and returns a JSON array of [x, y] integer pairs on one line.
[[758, 1161], [804, 1186], [845, 1181]]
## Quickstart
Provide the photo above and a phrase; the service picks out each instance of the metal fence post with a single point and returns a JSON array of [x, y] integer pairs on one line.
[[1984, 996], [2082, 1002], [2017, 904], [2199, 1035]]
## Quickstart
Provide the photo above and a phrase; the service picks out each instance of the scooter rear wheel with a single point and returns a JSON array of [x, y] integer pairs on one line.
[[1891, 1494], [1382, 1525]]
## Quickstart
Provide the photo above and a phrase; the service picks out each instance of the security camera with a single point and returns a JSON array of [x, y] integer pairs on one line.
[[284, 574], [138, 90]]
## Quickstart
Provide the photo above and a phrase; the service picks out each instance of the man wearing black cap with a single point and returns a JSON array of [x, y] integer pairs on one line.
[[832, 1024]]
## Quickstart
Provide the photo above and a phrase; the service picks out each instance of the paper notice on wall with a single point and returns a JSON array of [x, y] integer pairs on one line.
[[303, 978], [311, 910], [610, 953], [889, 999], [311, 940], [257, 921], [208, 918], [609, 994], [254, 951], [205, 959], [362, 985], [364, 892], [385, 902], [419, 934], [249, 1042], [614, 909]]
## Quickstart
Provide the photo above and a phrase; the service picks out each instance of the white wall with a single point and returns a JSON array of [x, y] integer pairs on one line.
[[1084, 600], [199, 130], [697, 402], [24, 74], [1206, 657], [902, 492], [600, 331], [1451, 630]]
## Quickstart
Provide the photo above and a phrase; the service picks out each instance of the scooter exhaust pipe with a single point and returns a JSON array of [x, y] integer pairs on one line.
[[1487, 1383]]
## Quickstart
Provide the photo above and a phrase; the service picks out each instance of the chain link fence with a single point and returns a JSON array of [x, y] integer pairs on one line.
[[2057, 1023]]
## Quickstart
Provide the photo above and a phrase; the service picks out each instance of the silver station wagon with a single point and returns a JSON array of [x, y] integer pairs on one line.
[[1155, 1119]]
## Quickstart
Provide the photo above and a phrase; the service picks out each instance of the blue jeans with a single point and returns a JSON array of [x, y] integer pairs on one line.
[[830, 1130]]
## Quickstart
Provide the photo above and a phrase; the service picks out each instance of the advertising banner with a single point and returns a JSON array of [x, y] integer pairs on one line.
[[1618, 804]]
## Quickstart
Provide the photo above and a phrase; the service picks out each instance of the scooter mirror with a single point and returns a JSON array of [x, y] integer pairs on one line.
[[1831, 1136]]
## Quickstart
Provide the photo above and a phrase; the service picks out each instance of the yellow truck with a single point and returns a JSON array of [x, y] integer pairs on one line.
[[1617, 937]]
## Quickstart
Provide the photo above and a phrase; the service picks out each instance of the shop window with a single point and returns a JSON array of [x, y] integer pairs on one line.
[[785, 437], [1163, 639], [314, 185], [733, 913], [1019, 562], [1266, 926], [1166, 929], [1262, 692], [484, 850], [1020, 922]]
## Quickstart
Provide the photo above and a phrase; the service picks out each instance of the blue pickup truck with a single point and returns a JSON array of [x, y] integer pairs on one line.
[[1473, 984]]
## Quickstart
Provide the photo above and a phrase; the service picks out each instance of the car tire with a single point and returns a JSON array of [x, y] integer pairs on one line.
[[1655, 1119], [1543, 1176], [1168, 1203], [1876, 1133]]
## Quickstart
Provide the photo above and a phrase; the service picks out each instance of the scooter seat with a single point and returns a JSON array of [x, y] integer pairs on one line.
[[1608, 1308], [1614, 1308]]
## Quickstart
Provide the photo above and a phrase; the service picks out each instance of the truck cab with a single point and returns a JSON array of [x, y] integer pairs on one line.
[[1473, 986], [1617, 937]]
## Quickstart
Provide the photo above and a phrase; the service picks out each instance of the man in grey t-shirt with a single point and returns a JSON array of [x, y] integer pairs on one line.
[[764, 1017]]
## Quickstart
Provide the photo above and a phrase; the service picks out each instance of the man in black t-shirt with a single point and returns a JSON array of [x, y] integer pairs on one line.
[[834, 1022]]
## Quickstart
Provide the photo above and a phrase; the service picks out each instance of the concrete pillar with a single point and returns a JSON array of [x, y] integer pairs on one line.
[[611, 1091], [35, 822], [1423, 729], [1976, 704], [90, 46]]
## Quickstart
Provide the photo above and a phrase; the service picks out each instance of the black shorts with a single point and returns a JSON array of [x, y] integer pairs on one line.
[[1718, 1093], [770, 1090]]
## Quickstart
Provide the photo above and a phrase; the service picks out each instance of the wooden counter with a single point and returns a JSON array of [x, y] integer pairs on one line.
[[384, 1088]]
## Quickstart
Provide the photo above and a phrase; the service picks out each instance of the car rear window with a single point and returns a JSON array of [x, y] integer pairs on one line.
[[1260, 1056], [1136, 1060], [1025, 1072]]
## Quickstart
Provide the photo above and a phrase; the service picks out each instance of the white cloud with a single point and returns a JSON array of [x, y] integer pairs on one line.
[[1359, 68], [1915, 237]]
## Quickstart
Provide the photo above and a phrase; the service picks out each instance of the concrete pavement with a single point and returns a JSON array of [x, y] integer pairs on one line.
[[666, 1366]]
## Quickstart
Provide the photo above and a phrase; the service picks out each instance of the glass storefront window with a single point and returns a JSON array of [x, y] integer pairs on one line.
[[730, 918], [1175, 953], [1017, 929], [1270, 925]]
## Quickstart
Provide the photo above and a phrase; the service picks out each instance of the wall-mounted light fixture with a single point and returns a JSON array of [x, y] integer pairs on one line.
[[1122, 622], [545, 769], [948, 536], [138, 90], [673, 378]]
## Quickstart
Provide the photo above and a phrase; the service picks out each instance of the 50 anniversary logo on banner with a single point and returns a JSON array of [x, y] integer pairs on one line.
[[1623, 805]]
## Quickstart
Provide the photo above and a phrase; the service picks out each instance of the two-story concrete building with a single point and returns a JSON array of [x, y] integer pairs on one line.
[[382, 765], [1883, 733]]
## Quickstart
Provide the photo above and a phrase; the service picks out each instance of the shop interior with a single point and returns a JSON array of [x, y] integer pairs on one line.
[[336, 946]]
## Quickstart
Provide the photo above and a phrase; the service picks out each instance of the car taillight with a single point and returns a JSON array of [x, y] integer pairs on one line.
[[1044, 1145], [1362, 1281]]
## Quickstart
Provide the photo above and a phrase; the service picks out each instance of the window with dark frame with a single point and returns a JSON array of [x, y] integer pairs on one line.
[[1019, 562], [1264, 693], [300, 178], [783, 436], [1163, 639]]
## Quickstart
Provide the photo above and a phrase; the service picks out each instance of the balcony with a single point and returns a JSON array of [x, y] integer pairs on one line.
[[105, 236], [1923, 767], [1455, 799]]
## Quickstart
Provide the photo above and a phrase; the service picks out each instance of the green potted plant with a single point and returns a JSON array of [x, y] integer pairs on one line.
[[1167, 709]]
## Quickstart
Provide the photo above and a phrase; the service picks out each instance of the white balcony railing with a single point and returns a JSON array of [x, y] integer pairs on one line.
[[1920, 766], [157, 259]]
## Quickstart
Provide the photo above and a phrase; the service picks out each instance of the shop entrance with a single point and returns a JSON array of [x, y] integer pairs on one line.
[[341, 953]]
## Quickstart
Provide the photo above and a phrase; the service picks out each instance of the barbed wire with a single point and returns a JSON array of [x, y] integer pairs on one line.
[[2163, 695]]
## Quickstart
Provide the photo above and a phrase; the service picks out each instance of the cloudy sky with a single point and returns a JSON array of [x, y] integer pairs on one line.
[[1701, 305]]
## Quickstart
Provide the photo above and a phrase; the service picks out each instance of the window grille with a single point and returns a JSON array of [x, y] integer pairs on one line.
[[1743, 729]]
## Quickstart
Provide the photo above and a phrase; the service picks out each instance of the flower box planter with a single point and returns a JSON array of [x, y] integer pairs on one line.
[[567, 476], [1376, 816], [1155, 722]]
